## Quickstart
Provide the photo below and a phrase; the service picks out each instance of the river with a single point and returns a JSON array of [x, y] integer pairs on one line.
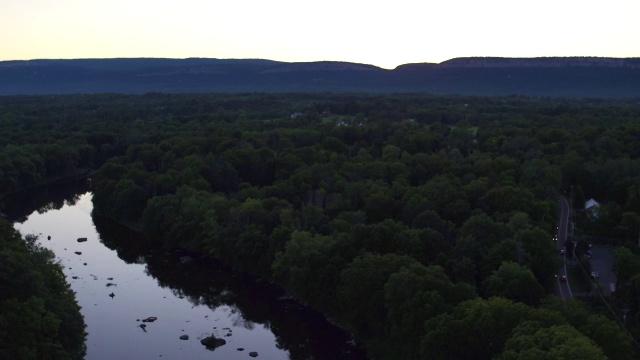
[[120, 280]]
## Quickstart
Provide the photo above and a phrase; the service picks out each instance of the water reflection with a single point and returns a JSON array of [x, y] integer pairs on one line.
[[304, 333], [189, 294], [18, 206]]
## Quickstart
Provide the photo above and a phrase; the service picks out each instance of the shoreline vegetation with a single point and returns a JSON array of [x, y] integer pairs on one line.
[[39, 314], [77, 175], [419, 223]]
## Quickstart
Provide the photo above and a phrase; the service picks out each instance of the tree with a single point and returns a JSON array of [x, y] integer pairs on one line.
[[380, 206], [479, 329], [630, 225], [485, 230], [610, 337], [361, 291], [626, 264], [413, 295], [506, 199], [130, 200], [543, 178], [540, 254], [28, 330], [389, 236], [515, 282], [309, 267], [530, 340], [39, 316]]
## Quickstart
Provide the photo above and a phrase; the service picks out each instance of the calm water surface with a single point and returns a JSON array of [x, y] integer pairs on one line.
[[191, 298]]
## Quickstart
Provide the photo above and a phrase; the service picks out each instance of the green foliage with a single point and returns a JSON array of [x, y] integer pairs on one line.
[[309, 267], [479, 329], [627, 264], [361, 291], [385, 215], [539, 253], [515, 282], [182, 219], [28, 330], [608, 335], [39, 317], [413, 295], [532, 341]]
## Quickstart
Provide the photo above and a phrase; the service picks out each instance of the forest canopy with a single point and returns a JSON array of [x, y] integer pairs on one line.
[[422, 224], [39, 316]]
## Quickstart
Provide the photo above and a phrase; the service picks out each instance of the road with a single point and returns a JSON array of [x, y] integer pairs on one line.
[[563, 289]]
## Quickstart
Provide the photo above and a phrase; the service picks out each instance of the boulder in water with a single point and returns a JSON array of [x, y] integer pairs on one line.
[[212, 342]]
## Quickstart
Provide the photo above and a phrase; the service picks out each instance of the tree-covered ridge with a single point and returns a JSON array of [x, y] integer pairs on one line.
[[408, 219], [481, 76], [39, 316]]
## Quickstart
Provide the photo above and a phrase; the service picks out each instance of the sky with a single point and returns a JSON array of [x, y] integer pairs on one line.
[[377, 32]]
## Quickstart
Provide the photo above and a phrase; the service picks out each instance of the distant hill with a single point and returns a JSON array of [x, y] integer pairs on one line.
[[552, 76]]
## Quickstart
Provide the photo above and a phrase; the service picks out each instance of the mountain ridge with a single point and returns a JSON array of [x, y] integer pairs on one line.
[[538, 76]]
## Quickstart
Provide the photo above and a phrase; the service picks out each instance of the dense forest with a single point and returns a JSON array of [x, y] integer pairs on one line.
[[39, 316], [422, 224]]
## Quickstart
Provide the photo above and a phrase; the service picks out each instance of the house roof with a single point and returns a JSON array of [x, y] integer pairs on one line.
[[590, 203]]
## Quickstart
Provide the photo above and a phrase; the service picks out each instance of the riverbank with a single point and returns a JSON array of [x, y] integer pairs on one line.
[[16, 206], [80, 174], [184, 291], [39, 312]]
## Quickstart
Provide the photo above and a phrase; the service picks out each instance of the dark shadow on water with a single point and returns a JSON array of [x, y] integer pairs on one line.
[[303, 332], [18, 206]]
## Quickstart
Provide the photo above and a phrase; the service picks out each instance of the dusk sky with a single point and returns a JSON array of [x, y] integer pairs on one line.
[[382, 33]]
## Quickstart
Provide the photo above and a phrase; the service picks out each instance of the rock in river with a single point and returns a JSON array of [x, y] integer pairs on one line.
[[150, 319], [82, 239], [212, 342], [184, 337], [253, 354]]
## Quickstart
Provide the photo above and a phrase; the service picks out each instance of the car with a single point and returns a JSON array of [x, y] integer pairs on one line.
[[595, 275], [555, 237], [563, 278], [562, 251]]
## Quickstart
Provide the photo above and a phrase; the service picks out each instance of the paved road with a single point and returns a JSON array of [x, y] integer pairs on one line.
[[563, 289]]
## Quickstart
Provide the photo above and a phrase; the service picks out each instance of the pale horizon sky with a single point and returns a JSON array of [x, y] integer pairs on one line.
[[381, 33]]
